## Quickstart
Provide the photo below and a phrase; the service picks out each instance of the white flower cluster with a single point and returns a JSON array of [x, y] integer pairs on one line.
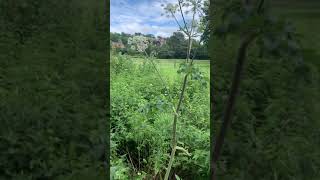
[[139, 43]]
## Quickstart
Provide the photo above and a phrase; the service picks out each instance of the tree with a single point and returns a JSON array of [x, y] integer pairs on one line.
[[178, 44], [200, 50], [124, 38], [205, 37], [115, 37]]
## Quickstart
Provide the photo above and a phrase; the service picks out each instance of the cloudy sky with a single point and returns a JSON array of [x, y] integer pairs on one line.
[[143, 16]]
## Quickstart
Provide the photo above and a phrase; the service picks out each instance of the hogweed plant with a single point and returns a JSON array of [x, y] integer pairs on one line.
[[138, 43], [187, 14]]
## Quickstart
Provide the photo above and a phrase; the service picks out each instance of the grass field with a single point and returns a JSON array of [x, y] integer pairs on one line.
[[168, 67]]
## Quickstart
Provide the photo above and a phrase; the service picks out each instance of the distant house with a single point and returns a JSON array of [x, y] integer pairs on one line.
[[117, 45], [160, 41]]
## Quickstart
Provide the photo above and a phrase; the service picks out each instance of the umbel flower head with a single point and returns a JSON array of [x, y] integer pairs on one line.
[[139, 43]]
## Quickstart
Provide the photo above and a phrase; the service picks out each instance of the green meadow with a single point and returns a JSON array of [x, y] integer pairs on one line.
[[169, 67]]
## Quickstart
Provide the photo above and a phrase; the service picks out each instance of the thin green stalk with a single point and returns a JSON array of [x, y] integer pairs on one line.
[[189, 61], [162, 80], [174, 128], [175, 118]]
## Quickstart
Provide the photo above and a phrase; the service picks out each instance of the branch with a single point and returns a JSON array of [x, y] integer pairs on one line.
[[162, 80], [190, 36], [184, 21], [241, 57], [196, 34], [193, 16], [154, 66], [131, 160], [200, 12], [261, 3], [194, 54], [179, 23]]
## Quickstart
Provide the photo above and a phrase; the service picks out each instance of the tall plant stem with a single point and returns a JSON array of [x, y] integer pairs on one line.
[[189, 33], [175, 118], [241, 57], [189, 48]]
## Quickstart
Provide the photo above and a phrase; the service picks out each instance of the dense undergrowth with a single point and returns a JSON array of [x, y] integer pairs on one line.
[[275, 133], [141, 123], [275, 129], [52, 91], [46, 131]]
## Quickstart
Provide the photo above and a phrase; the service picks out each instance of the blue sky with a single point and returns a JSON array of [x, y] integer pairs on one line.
[[143, 16]]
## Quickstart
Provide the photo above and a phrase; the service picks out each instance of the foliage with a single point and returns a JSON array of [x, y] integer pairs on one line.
[[51, 90], [205, 23], [274, 130], [142, 118], [174, 47], [178, 43], [190, 28]]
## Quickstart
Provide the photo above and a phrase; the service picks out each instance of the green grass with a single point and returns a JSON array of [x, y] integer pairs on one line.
[[169, 67]]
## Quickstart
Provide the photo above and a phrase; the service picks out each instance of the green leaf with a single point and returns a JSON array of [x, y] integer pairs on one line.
[[183, 150]]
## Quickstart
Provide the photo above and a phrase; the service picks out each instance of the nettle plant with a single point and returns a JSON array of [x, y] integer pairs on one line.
[[255, 26], [188, 17]]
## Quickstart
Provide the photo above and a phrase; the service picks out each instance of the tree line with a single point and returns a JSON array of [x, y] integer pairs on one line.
[[173, 47]]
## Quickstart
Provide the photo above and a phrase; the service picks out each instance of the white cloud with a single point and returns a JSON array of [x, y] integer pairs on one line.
[[143, 16], [133, 27]]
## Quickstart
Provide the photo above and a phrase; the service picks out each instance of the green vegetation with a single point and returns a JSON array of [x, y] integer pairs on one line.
[[160, 111], [169, 67], [142, 120], [52, 90], [173, 47], [274, 132]]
